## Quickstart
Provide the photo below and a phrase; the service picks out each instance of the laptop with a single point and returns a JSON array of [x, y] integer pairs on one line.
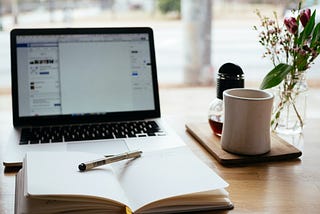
[[85, 89]]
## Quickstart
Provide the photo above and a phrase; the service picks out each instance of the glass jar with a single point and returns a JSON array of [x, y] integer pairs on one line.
[[289, 113], [229, 76]]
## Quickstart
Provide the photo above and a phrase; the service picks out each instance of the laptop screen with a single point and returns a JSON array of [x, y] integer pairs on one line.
[[83, 75]]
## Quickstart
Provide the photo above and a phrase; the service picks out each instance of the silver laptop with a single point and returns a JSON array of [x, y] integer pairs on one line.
[[85, 89]]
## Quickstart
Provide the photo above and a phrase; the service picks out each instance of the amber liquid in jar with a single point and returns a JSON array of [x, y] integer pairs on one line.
[[216, 125]]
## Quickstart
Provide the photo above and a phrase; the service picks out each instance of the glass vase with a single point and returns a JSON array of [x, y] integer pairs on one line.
[[290, 103]]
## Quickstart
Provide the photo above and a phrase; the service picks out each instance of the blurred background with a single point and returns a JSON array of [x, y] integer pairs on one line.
[[192, 38]]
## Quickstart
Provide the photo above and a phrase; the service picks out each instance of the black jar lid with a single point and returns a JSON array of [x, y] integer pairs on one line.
[[229, 76]]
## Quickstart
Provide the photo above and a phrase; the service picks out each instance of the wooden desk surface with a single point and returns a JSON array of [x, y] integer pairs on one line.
[[278, 187]]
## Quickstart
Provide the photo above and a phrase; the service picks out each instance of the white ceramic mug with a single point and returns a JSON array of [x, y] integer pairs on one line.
[[247, 116]]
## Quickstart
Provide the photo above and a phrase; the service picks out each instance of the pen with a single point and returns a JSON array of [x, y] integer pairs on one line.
[[102, 161]]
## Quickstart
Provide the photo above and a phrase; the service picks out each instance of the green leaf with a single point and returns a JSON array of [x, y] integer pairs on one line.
[[276, 75], [302, 62], [316, 36]]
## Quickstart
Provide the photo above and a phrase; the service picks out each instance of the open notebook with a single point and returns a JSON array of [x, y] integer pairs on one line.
[[85, 89], [167, 181]]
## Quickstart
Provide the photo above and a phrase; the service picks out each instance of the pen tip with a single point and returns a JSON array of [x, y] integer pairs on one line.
[[82, 167]]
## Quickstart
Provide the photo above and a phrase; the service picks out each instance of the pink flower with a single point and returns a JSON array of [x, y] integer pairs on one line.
[[305, 16], [291, 24]]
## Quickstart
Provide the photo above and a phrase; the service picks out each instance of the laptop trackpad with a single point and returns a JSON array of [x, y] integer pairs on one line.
[[108, 147]]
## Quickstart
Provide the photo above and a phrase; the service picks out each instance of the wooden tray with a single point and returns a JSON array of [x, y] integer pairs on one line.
[[280, 149]]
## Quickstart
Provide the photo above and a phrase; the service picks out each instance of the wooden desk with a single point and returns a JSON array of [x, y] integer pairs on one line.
[[278, 187]]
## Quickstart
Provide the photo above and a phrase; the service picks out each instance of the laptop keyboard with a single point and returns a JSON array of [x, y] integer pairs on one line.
[[57, 134]]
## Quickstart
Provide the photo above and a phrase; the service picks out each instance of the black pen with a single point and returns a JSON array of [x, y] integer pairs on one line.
[[102, 161]]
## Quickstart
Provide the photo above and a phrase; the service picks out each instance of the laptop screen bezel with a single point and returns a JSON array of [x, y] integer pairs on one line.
[[19, 121]]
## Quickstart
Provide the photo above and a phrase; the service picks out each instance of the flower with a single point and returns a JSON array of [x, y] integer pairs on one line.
[[292, 46], [305, 16], [291, 24]]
